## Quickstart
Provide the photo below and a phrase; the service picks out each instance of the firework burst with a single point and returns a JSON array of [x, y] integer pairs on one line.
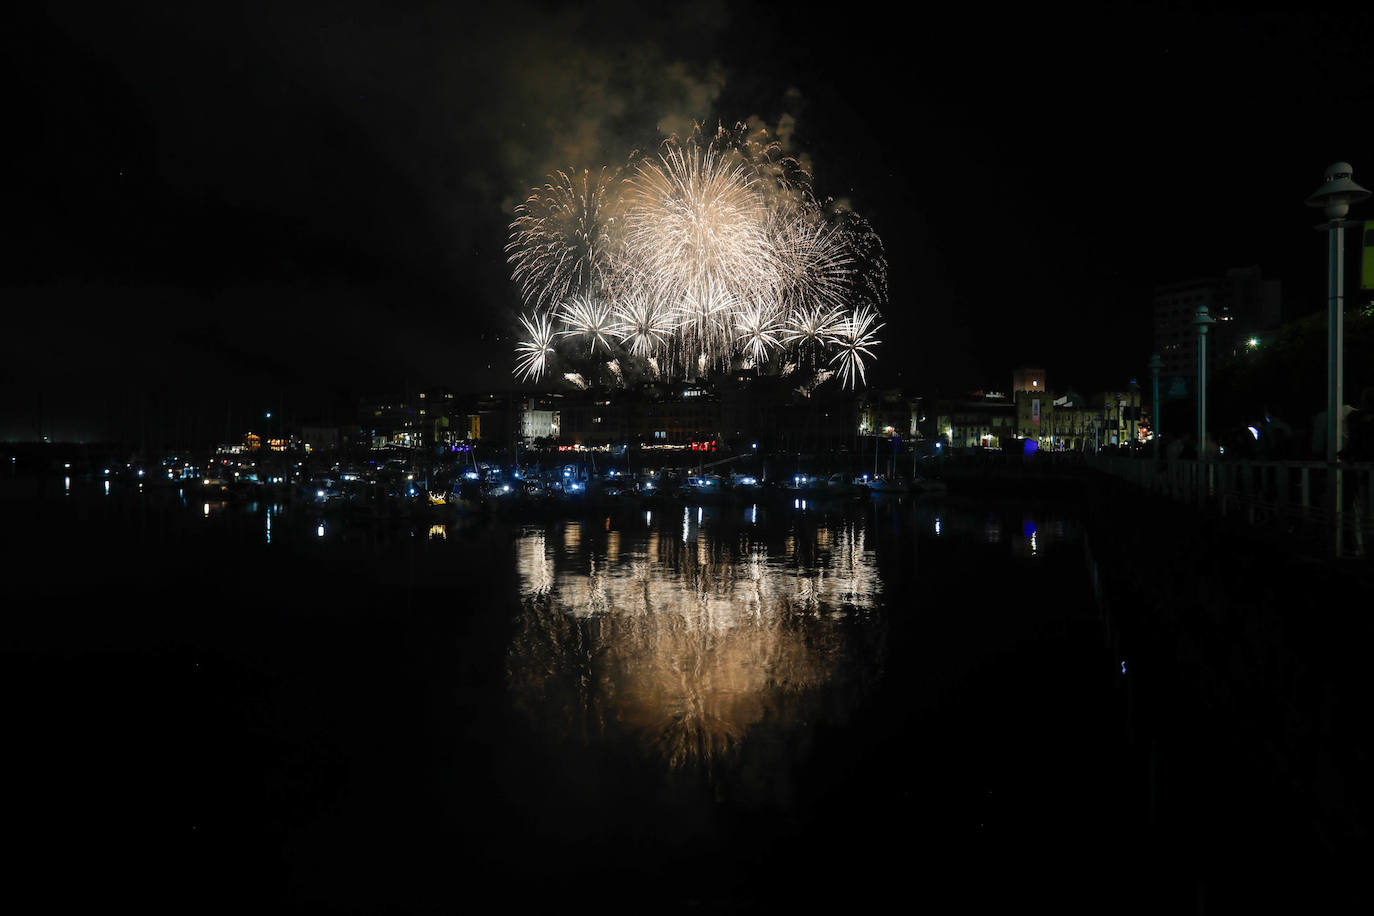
[[561, 242], [704, 254], [758, 330], [589, 319], [533, 352], [642, 325], [813, 326], [855, 338]]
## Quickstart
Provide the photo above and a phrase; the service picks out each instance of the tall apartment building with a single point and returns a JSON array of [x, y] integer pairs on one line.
[[1244, 304]]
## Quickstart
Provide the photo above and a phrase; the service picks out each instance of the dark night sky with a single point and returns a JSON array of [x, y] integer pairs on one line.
[[218, 207]]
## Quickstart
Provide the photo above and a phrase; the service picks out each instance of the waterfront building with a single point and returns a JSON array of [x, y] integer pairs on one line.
[[436, 418], [322, 438], [488, 419], [539, 417], [385, 421], [1071, 423], [595, 417], [1118, 416], [889, 413], [678, 413], [1034, 405], [982, 419]]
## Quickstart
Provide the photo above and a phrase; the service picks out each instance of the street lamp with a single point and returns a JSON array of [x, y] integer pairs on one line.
[[1155, 365], [1202, 321], [1334, 198]]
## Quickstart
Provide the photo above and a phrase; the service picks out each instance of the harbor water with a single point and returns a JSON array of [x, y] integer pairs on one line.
[[234, 704]]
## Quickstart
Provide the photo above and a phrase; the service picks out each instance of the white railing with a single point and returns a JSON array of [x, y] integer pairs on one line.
[[1297, 494]]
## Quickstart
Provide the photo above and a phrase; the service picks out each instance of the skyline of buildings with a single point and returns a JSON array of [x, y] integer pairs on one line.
[[1246, 304]]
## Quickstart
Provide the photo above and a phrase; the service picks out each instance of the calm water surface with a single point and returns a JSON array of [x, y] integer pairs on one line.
[[671, 708]]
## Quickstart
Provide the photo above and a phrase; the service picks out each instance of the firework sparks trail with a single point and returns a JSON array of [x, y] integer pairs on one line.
[[758, 330], [706, 253], [856, 336], [813, 326], [533, 352], [560, 242], [589, 319], [643, 325]]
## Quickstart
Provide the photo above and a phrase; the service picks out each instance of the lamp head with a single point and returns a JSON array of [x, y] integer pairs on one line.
[[1338, 193]]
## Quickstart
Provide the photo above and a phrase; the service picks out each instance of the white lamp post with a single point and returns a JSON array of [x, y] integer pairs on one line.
[[1202, 321], [1334, 198]]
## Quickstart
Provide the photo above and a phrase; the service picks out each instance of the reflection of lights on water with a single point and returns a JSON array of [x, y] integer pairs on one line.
[[438, 532], [1123, 666], [1033, 546], [268, 515], [688, 648], [319, 532], [937, 525], [67, 484], [699, 511], [686, 520], [649, 517], [207, 510], [754, 515], [533, 564], [107, 488]]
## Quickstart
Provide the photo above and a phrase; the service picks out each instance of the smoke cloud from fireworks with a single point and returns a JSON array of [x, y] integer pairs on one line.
[[703, 255]]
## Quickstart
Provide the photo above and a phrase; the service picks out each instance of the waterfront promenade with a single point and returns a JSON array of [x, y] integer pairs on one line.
[[1284, 501]]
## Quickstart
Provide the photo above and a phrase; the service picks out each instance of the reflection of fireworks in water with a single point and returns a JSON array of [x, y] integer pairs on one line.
[[688, 645], [705, 253]]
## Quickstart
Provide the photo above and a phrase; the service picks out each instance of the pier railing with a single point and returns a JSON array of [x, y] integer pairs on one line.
[[1294, 499]]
